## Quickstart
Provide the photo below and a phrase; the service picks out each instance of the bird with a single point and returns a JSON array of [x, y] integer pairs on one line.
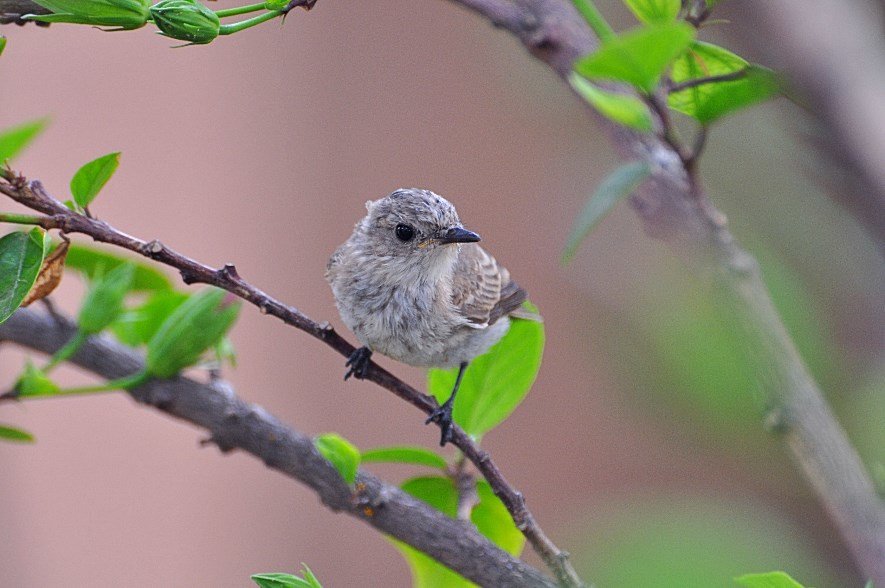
[[414, 285]]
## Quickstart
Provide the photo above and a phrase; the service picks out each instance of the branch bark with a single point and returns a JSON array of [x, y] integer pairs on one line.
[[32, 195], [673, 206], [11, 11], [235, 424]]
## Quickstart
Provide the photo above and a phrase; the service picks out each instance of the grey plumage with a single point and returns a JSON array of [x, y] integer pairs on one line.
[[412, 283], [421, 301]]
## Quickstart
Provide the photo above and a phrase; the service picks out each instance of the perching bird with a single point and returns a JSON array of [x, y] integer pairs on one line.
[[412, 284]]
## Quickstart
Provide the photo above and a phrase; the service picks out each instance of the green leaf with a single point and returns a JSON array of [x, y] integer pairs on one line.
[[495, 382], [91, 178], [308, 574], [624, 109], [490, 517], [341, 453], [21, 256], [493, 520], [638, 57], [402, 454], [91, 262], [225, 352], [136, 326], [194, 327], [2, 44], [8, 433], [619, 184], [654, 11], [768, 580], [277, 580], [33, 382], [691, 542], [710, 101], [14, 139], [103, 303]]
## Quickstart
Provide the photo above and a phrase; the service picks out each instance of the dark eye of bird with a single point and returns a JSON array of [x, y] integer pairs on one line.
[[404, 232]]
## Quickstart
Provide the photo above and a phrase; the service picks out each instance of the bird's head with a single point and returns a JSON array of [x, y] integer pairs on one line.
[[416, 225]]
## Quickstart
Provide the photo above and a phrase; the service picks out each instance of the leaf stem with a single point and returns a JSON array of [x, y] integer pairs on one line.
[[239, 26], [21, 219], [124, 383], [239, 10], [595, 19]]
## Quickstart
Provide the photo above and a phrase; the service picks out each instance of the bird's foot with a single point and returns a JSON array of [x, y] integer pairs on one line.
[[358, 363], [443, 417]]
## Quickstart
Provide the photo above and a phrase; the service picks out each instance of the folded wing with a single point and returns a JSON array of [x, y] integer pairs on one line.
[[482, 290]]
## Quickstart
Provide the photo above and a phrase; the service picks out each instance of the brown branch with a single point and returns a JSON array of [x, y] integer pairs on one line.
[[11, 11], [235, 424], [673, 206], [58, 216]]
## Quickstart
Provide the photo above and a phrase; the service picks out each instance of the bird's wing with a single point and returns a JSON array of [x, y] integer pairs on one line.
[[482, 290]]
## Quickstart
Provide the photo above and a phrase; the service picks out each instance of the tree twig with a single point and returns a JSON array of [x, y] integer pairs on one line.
[[11, 11], [32, 195], [235, 424], [673, 206]]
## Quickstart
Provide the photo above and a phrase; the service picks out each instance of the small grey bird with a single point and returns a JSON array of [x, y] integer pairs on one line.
[[412, 284]]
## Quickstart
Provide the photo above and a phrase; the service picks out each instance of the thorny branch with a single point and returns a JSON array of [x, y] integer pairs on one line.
[[57, 216], [235, 424]]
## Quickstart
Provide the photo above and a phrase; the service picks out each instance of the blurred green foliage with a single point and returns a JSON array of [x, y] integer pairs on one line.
[[694, 543]]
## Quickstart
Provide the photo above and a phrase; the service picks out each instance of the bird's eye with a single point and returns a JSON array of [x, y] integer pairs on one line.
[[404, 232]]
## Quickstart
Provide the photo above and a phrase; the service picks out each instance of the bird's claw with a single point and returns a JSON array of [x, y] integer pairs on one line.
[[443, 417], [358, 363]]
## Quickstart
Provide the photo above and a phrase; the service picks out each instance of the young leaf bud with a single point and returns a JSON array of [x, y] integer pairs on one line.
[[186, 20], [194, 327], [104, 301]]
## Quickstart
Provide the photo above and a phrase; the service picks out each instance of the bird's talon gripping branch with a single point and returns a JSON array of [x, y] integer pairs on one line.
[[358, 362], [443, 417]]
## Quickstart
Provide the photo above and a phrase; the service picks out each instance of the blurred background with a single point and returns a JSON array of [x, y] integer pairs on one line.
[[639, 449]]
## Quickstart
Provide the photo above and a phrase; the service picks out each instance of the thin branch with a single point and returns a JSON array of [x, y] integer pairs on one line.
[[32, 195], [11, 11], [235, 424], [673, 206]]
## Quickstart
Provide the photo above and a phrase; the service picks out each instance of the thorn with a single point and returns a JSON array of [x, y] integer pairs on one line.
[[153, 248], [229, 271]]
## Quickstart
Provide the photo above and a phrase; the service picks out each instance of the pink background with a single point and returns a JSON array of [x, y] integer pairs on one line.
[[261, 150]]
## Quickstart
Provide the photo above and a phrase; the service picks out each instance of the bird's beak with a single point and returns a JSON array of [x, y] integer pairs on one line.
[[457, 235]]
